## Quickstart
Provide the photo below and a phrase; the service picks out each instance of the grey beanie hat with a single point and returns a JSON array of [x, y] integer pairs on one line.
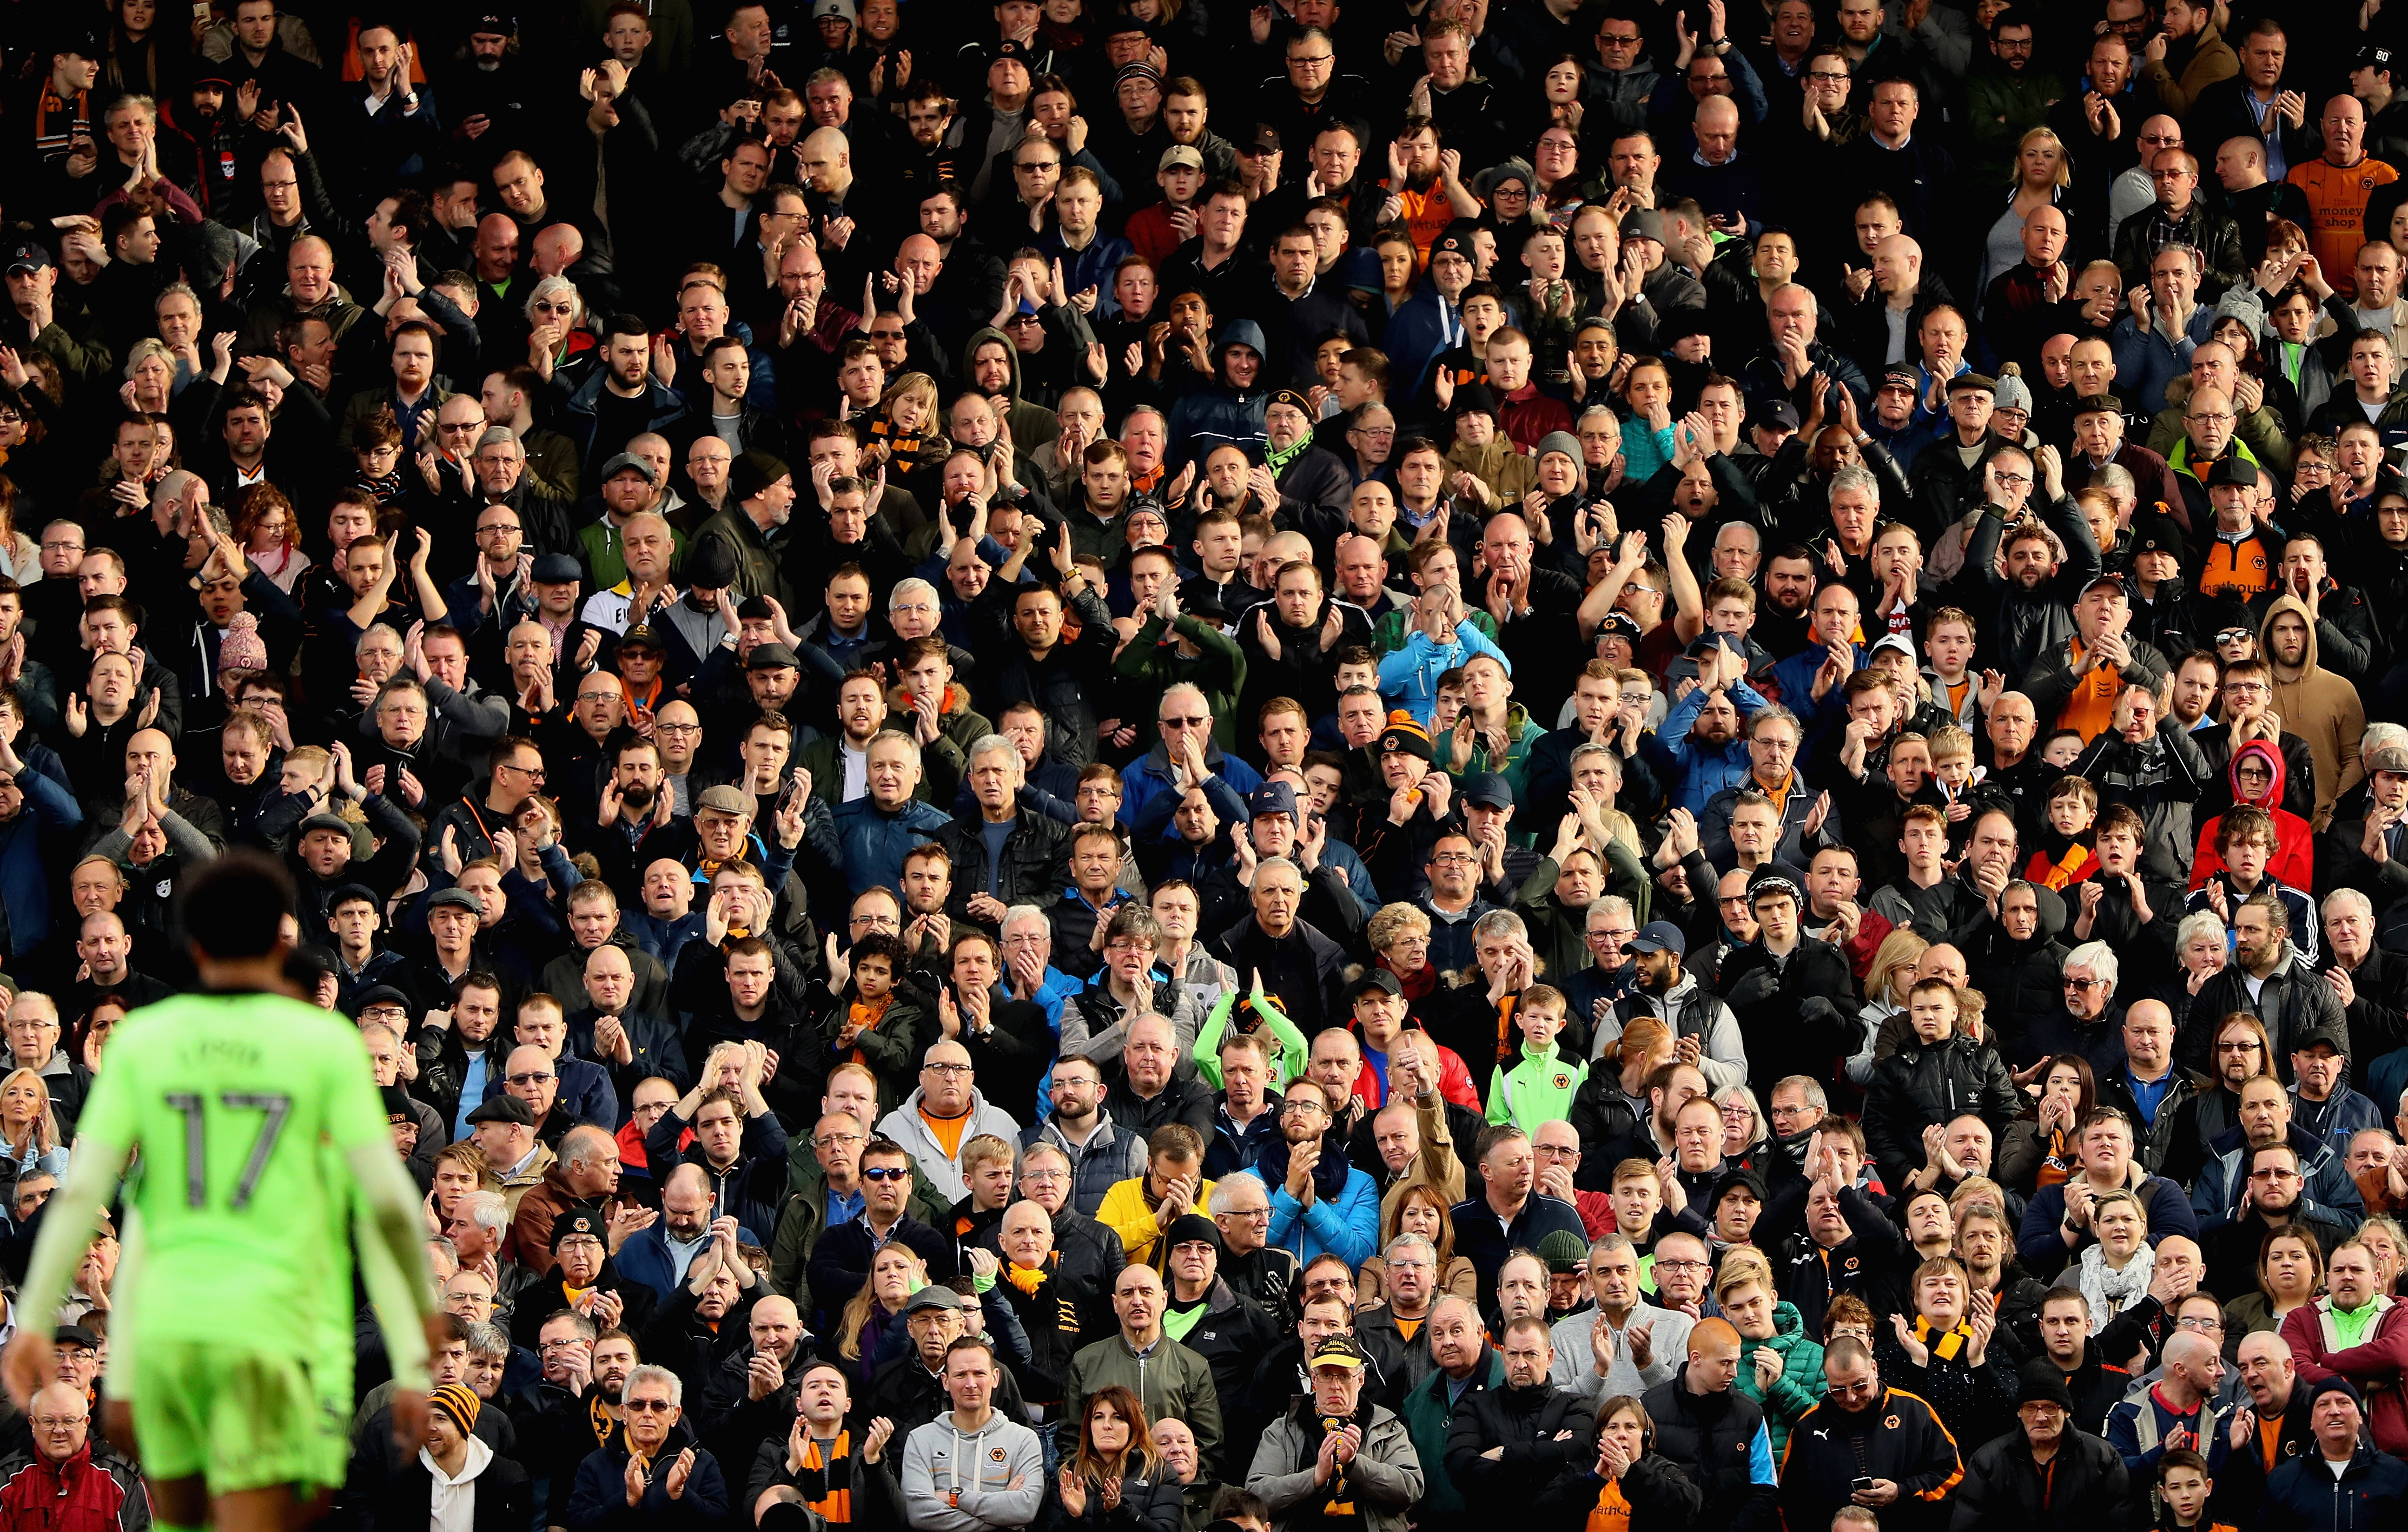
[[2013, 393], [2244, 305], [1558, 441]]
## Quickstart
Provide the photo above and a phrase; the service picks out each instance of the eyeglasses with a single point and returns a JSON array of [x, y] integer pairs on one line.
[[2084, 986], [529, 1079], [1663, 1264], [58, 1422], [946, 1068], [498, 528], [1300, 1108], [648, 1407], [2236, 1048], [830, 1140], [1827, 75], [1310, 59], [579, 1241], [2273, 1175], [2015, 479], [887, 1172], [676, 728], [1259, 1214], [1448, 859], [559, 1345], [1043, 1178], [531, 773], [2200, 1322]]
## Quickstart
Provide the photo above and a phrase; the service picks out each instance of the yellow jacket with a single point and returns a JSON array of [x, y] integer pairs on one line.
[[1127, 1211]]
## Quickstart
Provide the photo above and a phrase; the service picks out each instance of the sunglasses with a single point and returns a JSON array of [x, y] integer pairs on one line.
[[887, 1172]]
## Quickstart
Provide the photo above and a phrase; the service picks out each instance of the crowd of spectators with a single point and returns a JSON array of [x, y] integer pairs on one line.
[[1642, 767]]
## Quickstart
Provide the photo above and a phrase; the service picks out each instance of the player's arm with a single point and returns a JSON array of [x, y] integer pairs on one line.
[[392, 1231], [68, 1228]]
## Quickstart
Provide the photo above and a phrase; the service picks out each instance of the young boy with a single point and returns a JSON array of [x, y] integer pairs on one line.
[[1952, 773], [1450, 702], [303, 767], [867, 1022], [1948, 644], [2061, 749], [2184, 1487], [2065, 855], [2114, 906], [1539, 1087]]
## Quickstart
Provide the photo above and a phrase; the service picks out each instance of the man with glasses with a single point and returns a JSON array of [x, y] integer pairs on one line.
[[838, 1264], [666, 1483], [67, 1472], [1316, 92], [1864, 1445], [1101, 1154], [825, 1192]]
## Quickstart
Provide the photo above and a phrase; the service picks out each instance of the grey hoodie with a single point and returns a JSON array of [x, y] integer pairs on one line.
[[972, 1481]]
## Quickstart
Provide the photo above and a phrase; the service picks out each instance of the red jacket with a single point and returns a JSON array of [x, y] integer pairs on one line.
[[80, 1494], [2375, 1366], [1454, 1081]]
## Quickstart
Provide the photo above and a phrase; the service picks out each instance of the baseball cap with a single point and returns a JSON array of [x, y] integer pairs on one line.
[[1661, 937], [1178, 155], [28, 256], [1901, 374], [2232, 470], [76, 1335], [1265, 139], [2323, 1035], [496, 24], [1337, 1350], [641, 636], [1273, 798], [1488, 789], [724, 799], [1779, 415], [825, 8], [1643, 223], [1891, 641], [1374, 979]]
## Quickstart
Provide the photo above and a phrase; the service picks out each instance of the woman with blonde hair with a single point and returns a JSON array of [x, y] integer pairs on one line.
[[556, 309], [905, 435], [1399, 936], [30, 1140], [149, 377], [870, 1333], [1414, 1205], [2044, 177], [1114, 1478], [1886, 986], [2113, 1271]]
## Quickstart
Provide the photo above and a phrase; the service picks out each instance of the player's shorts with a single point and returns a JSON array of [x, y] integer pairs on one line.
[[240, 1419]]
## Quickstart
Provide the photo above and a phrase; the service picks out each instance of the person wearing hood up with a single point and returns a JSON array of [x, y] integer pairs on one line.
[[2256, 774], [1229, 410], [2314, 703], [991, 365]]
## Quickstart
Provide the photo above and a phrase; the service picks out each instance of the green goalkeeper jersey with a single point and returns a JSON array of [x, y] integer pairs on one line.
[[242, 1108]]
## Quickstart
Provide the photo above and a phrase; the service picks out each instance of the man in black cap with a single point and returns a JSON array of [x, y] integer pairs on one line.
[[760, 498], [2242, 555], [2048, 1470], [1205, 1314], [1787, 987], [1305, 484], [581, 1259]]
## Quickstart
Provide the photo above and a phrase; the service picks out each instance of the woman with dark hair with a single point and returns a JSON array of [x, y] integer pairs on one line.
[[1628, 1485], [1115, 1477], [2290, 1274], [2041, 1150]]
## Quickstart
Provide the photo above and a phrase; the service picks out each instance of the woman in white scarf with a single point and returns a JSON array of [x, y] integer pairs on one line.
[[2113, 1273]]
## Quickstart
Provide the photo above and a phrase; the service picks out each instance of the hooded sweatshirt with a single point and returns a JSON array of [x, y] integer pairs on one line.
[[1032, 424], [2293, 862], [975, 1482], [1223, 414], [2320, 708]]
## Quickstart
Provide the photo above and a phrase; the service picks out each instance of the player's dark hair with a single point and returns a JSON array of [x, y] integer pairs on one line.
[[233, 906]]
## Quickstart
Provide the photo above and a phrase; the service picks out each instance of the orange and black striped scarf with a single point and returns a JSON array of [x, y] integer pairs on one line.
[[833, 1500]]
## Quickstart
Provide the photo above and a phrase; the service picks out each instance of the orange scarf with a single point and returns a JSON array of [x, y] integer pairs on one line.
[[837, 1504]]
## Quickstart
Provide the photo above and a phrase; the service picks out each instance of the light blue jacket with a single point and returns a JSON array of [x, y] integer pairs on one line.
[[1706, 769], [1409, 674], [1348, 1228]]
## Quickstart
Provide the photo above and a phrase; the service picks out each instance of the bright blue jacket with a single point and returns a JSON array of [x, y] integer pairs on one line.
[[1348, 1228], [1409, 674], [1705, 769]]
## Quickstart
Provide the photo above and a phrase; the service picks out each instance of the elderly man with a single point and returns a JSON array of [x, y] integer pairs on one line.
[[585, 1174], [1461, 1364], [2277, 1397], [2342, 1469], [911, 1389], [2048, 1468], [1369, 1461], [66, 1474], [640, 1474]]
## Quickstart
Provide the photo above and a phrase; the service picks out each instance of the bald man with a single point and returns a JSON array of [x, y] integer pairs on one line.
[[2020, 308]]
